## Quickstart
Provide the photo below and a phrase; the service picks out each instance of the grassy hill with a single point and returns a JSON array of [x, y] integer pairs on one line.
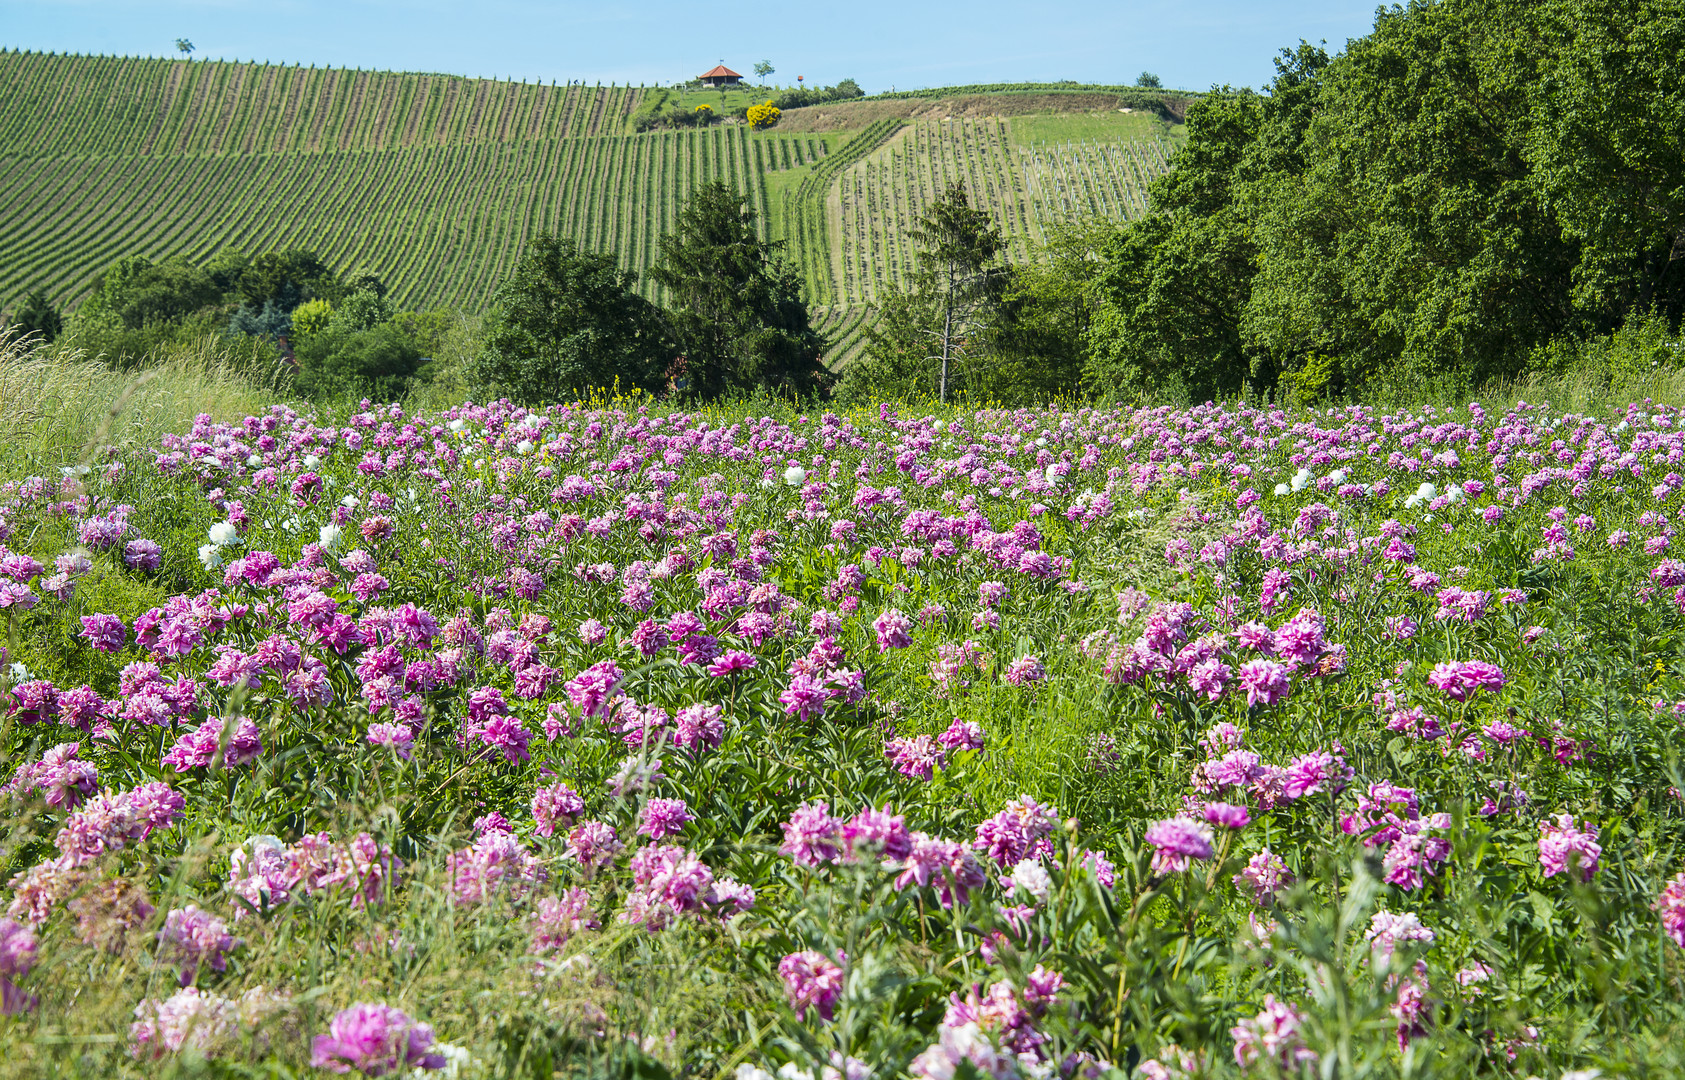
[[435, 181]]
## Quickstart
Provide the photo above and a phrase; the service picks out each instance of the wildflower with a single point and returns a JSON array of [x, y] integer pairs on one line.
[[813, 982], [104, 632], [1265, 874], [916, 757], [1387, 930], [63, 779], [1458, 680], [1177, 842], [1271, 1039], [17, 957], [192, 936], [592, 844], [495, 863], [962, 735], [892, 628], [556, 805], [664, 817], [1563, 845], [1025, 671], [804, 698], [1671, 905], [876, 832], [397, 737], [557, 918], [375, 1040], [812, 836], [1226, 814], [1265, 682], [949, 864]]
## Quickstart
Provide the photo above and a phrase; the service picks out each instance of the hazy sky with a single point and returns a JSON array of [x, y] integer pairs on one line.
[[1191, 44]]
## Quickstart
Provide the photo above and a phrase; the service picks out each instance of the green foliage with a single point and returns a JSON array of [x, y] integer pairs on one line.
[[941, 326], [1148, 81], [1646, 344], [288, 278], [37, 315], [165, 291], [379, 362], [568, 320], [312, 317], [1460, 187], [361, 310], [735, 312]]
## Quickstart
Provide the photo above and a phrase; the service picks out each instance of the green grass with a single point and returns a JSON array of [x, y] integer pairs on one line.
[[1027, 131]]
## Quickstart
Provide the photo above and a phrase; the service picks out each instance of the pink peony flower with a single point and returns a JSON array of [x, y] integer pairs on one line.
[[813, 982], [1177, 842], [1563, 844], [375, 1040]]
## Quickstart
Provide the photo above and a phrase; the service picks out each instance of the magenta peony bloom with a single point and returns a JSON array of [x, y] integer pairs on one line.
[[375, 1040], [1265, 682], [104, 632], [553, 806], [1562, 844], [813, 981], [1458, 680], [192, 937], [664, 817], [1671, 905], [1272, 1039], [1177, 842], [17, 957]]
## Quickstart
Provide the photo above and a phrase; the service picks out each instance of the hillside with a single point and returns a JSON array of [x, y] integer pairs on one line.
[[436, 181]]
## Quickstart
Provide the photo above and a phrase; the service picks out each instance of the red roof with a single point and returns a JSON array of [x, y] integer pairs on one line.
[[720, 72]]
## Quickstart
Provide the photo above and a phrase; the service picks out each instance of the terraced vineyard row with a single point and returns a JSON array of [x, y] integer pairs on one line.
[[100, 105], [880, 196], [443, 225], [1073, 180]]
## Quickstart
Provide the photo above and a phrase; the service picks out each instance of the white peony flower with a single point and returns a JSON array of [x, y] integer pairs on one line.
[[210, 556], [328, 536], [224, 534], [1031, 876], [795, 476]]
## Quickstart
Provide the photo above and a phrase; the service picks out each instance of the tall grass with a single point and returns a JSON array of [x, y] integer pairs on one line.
[[57, 407]]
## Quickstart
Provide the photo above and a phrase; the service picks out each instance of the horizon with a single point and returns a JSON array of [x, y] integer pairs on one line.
[[1188, 46]]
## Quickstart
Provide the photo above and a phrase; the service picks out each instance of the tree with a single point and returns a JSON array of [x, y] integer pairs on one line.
[[287, 277], [165, 292], [1459, 189], [958, 248], [763, 69], [932, 338], [379, 363], [567, 320], [736, 312], [1148, 80], [364, 309], [37, 315], [183, 46]]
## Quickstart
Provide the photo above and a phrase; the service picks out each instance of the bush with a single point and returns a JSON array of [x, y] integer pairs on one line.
[[762, 116], [379, 363]]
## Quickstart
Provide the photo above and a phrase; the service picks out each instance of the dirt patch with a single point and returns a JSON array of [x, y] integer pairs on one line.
[[848, 115]]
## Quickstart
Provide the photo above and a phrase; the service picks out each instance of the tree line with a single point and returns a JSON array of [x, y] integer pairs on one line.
[[1470, 192]]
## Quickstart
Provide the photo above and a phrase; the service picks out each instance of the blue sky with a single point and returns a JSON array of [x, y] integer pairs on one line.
[[1191, 44]]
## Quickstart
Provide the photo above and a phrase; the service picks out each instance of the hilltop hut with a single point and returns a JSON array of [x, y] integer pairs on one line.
[[720, 76]]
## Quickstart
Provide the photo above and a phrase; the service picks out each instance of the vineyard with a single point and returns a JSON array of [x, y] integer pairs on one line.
[[101, 105], [435, 182], [442, 224], [881, 195]]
